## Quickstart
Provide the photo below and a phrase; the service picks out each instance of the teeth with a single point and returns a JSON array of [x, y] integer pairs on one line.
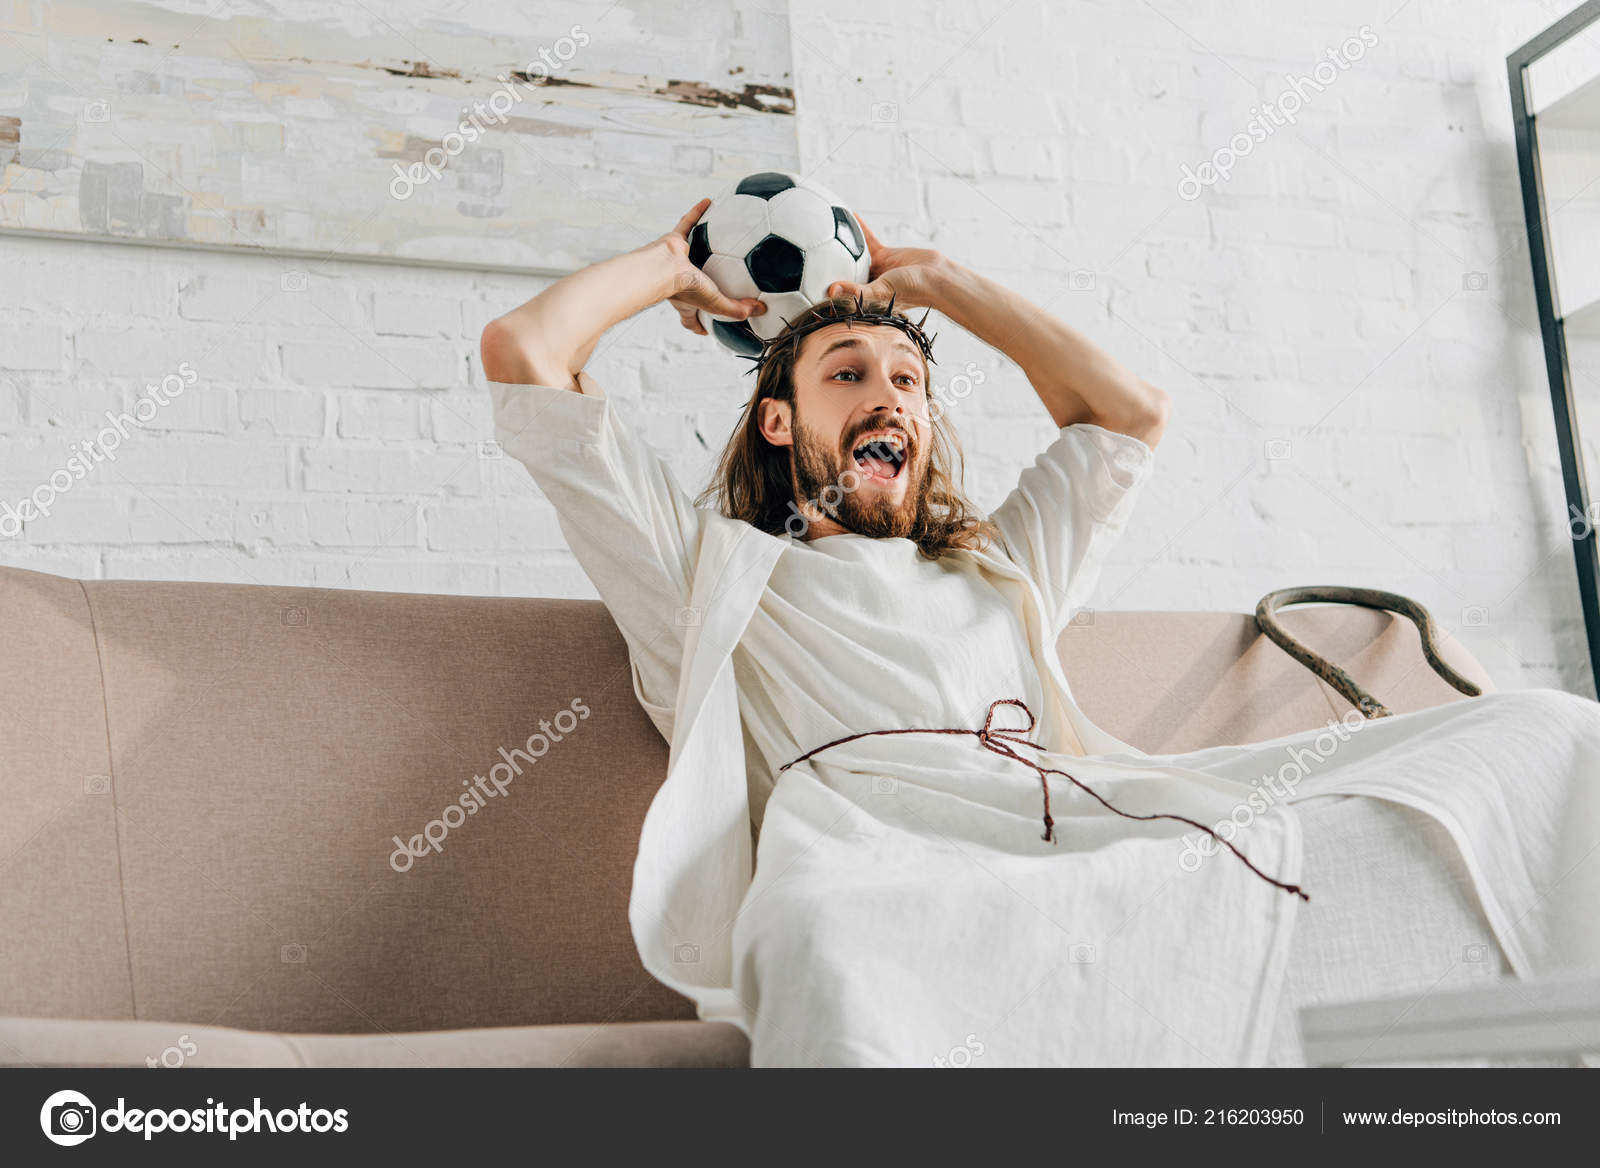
[[890, 438]]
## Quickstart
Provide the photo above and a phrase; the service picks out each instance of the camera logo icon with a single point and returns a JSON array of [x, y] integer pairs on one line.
[[68, 1118]]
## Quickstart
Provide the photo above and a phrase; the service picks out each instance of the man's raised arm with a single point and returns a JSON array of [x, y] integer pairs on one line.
[[1076, 380], [548, 340], [1071, 506], [630, 524]]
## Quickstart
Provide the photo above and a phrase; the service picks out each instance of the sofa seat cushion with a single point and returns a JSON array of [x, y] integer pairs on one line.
[[56, 1042]]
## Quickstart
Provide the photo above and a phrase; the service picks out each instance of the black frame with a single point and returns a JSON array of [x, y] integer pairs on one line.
[[1584, 550]]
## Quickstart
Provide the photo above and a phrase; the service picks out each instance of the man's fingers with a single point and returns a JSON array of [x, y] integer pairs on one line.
[[850, 289], [703, 295], [689, 318], [686, 314], [691, 217], [873, 243], [727, 306]]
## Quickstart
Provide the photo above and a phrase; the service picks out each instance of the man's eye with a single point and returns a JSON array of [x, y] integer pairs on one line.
[[855, 376]]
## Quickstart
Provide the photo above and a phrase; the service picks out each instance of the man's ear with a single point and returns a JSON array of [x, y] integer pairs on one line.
[[774, 421]]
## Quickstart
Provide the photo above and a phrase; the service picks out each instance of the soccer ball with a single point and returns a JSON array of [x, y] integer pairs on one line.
[[778, 238]]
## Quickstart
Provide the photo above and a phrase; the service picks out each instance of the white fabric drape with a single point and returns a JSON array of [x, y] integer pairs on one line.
[[901, 903]]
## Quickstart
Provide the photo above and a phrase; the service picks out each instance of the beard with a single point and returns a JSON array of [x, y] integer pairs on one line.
[[831, 482]]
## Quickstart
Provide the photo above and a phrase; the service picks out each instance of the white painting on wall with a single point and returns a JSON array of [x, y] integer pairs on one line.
[[523, 136]]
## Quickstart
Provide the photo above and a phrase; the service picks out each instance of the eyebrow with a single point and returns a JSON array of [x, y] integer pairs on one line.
[[857, 342]]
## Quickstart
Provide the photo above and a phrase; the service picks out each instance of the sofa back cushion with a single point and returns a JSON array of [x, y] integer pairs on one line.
[[265, 745], [201, 786]]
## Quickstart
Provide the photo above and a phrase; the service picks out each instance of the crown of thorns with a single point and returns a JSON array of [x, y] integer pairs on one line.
[[792, 335]]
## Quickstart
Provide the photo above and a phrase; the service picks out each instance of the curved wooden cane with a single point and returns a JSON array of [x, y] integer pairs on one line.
[[1370, 707]]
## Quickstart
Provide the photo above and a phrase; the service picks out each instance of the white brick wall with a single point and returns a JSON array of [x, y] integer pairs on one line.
[[334, 435], [1317, 297]]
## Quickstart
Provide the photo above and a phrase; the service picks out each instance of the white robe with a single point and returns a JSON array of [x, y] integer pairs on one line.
[[904, 905]]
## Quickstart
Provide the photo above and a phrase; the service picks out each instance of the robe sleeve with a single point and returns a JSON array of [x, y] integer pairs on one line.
[[632, 527], [1068, 509]]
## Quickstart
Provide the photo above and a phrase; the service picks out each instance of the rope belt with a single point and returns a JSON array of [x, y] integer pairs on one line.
[[1002, 740]]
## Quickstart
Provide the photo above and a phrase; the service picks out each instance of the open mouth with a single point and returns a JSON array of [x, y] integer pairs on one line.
[[881, 454]]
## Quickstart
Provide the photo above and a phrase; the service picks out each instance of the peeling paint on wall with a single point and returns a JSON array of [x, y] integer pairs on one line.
[[10, 138], [766, 98], [429, 133]]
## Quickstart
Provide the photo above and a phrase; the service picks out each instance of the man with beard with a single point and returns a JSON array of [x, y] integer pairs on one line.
[[832, 869], [846, 452]]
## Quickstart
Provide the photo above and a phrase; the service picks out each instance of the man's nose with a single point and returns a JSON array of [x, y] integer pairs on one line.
[[884, 395]]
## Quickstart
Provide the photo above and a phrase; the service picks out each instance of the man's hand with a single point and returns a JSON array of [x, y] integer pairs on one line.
[[692, 289], [910, 274]]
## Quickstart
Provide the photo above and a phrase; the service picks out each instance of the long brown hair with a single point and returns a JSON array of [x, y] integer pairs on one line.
[[752, 480]]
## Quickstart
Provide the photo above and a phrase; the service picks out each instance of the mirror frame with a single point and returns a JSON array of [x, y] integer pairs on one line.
[[1551, 327]]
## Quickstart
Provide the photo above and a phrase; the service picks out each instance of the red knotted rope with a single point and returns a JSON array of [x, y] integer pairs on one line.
[[1003, 739]]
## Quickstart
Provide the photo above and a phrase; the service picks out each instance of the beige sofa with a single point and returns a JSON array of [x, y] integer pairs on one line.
[[201, 785]]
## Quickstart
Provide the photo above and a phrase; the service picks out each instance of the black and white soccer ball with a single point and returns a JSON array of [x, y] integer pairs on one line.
[[778, 238]]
